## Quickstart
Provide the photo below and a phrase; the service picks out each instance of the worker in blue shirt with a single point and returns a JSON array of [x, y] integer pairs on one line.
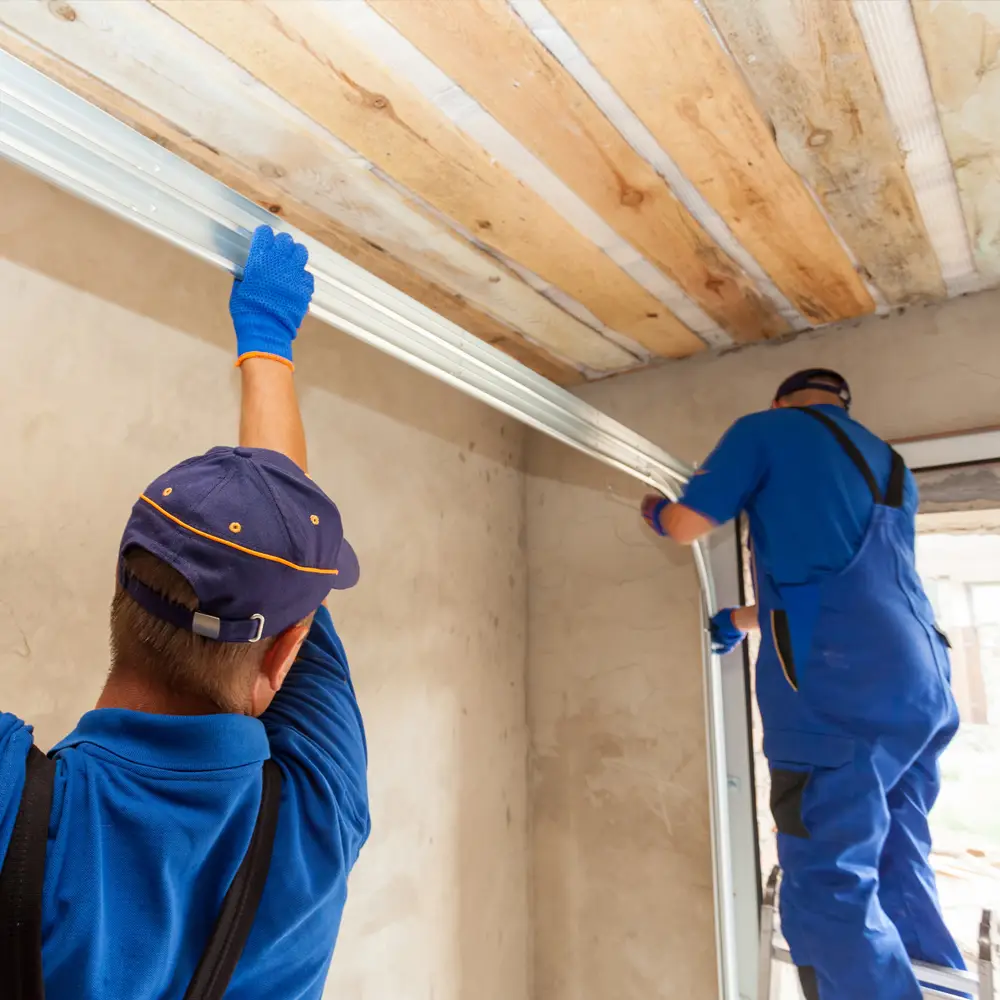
[[853, 681], [192, 837]]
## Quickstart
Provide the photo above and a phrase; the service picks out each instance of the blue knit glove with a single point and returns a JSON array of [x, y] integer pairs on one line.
[[724, 634], [270, 302]]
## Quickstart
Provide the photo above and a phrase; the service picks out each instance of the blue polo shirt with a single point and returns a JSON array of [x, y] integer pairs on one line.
[[152, 815], [807, 503]]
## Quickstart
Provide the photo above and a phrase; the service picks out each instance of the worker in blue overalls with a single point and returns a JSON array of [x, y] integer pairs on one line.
[[853, 681]]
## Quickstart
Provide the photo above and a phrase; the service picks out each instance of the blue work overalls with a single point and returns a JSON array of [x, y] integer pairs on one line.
[[853, 683]]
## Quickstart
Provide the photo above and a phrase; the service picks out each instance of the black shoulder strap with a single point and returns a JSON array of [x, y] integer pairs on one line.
[[23, 875], [897, 481], [852, 450], [21, 881], [239, 907]]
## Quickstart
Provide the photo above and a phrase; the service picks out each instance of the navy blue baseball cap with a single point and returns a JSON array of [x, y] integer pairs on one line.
[[258, 541], [824, 379]]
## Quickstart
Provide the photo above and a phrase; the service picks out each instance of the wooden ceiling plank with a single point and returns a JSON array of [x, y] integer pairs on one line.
[[488, 51], [809, 69], [133, 47], [961, 43], [667, 64], [299, 52]]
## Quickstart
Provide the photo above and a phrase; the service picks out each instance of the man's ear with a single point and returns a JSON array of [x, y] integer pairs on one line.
[[281, 655]]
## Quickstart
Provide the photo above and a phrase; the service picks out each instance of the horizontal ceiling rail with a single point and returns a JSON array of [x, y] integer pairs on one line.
[[54, 133]]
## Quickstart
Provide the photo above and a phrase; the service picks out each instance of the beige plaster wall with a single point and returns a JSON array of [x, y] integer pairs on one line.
[[622, 861], [926, 370], [116, 363]]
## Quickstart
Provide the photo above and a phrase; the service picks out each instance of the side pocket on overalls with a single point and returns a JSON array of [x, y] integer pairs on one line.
[[794, 759], [782, 636], [793, 625]]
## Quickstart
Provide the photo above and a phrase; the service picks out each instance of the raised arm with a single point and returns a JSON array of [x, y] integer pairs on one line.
[[314, 725], [676, 521], [268, 306], [269, 414], [717, 492]]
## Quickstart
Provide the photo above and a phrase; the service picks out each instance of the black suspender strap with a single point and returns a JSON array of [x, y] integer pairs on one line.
[[232, 927], [23, 875], [21, 882], [852, 450], [896, 487], [897, 481]]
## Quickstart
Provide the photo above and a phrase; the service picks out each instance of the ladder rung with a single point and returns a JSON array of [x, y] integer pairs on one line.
[[932, 975], [935, 979], [952, 979]]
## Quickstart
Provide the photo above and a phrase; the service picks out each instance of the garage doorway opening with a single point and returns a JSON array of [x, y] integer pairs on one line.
[[961, 572]]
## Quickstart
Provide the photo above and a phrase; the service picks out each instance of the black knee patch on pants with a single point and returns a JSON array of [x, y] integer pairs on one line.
[[807, 980], [786, 801]]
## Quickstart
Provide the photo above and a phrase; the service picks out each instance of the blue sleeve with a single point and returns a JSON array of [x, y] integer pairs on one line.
[[731, 475], [15, 741], [316, 732]]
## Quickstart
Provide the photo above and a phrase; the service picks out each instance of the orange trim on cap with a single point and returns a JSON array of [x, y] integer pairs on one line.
[[233, 545], [264, 354]]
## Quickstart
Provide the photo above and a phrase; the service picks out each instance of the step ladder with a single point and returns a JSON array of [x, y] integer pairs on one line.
[[977, 984]]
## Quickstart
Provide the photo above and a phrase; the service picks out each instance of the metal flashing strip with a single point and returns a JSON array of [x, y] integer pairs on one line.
[[57, 135], [939, 451]]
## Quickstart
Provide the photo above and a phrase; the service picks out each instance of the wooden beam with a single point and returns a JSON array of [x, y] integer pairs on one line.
[[665, 61], [300, 53], [961, 43], [285, 160], [489, 52], [809, 69]]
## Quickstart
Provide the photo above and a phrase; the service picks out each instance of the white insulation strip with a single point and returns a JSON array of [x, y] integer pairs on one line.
[[561, 45], [365, 25], [890, 34]]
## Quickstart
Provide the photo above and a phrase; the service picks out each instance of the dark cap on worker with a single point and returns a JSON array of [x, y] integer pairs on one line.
[[823, 379], [258, 541]]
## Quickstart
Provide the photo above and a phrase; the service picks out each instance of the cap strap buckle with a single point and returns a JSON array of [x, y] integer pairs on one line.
[[260, 627], [221, 629], [201, 624]]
